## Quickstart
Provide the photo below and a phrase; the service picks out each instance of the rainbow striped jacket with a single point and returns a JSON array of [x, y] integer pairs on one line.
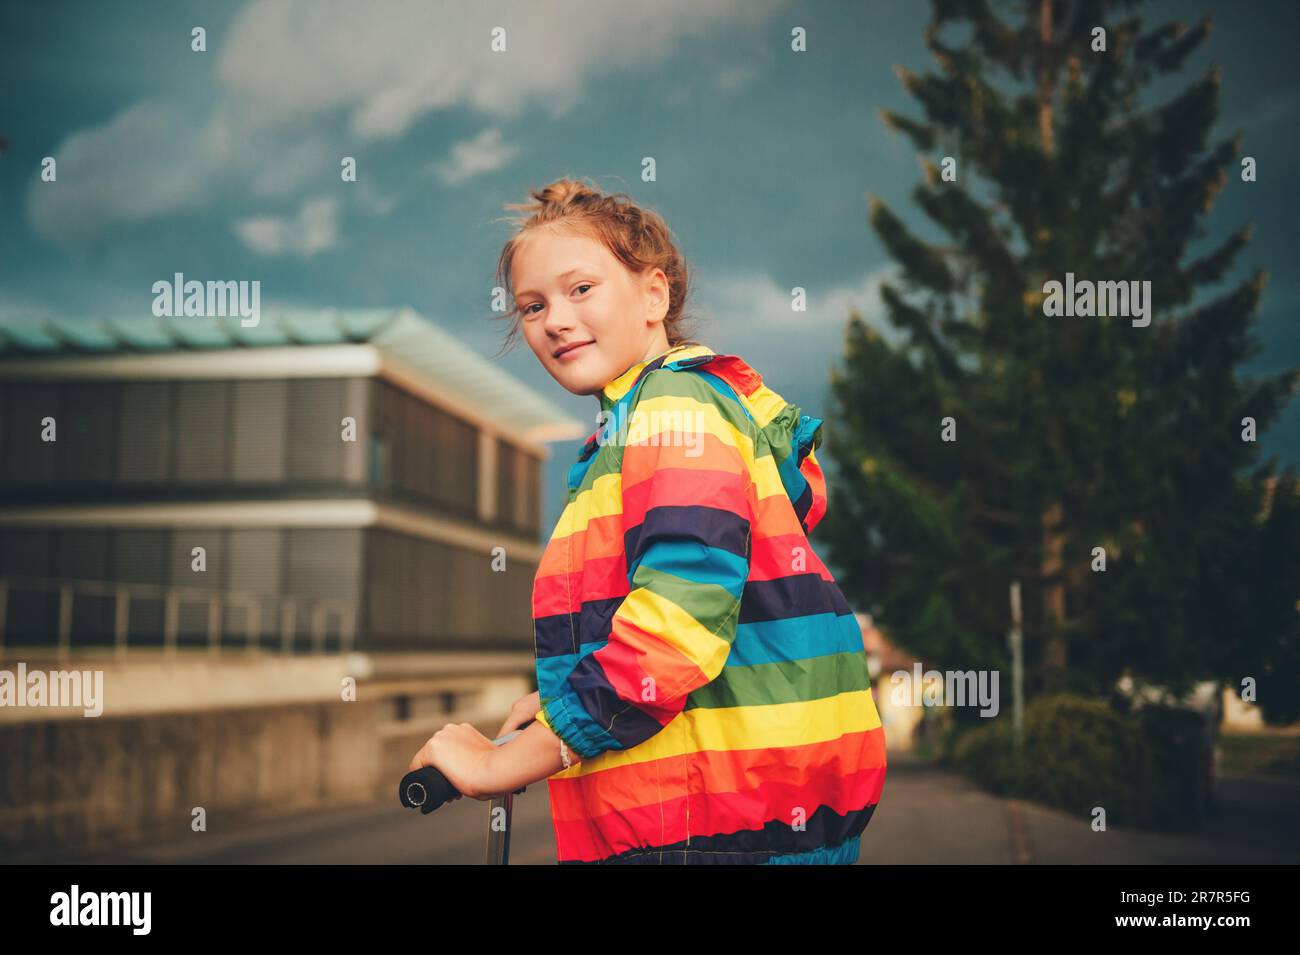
[[691, 647]]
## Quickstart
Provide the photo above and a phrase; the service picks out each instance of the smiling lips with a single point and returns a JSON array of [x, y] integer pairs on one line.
[[566, 350]]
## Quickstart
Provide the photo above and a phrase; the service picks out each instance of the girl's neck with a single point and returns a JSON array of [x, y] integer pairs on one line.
[[657, 347]]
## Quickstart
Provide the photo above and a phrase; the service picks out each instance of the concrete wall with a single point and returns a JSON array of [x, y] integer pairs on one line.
[[135, 775], [93, 783]]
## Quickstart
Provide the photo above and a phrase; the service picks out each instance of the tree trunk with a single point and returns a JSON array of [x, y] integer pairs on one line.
[[1053, 665], [1053, 672]]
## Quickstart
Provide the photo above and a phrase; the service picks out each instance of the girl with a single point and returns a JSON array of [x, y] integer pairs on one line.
[[703, 695]]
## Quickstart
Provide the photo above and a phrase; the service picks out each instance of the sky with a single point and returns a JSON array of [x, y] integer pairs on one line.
[[225, 164]]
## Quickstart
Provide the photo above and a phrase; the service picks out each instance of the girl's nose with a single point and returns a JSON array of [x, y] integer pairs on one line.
[[559, 319]]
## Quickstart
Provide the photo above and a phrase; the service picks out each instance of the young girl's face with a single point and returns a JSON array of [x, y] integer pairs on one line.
[[572, 291]]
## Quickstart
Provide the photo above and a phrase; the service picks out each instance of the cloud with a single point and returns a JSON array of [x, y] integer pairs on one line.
[[734, 78], [400, 59], [766, 305], [148, 161], [288, 71], [17, 305], [484, 153], [372, 201], [314, 230], [754, 320], [286, 166]]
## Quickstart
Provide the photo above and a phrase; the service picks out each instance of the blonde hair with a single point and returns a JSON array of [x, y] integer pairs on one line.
[[637, 237]]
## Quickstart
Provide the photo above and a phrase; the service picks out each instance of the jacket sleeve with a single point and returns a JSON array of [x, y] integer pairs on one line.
[[686, 497], [810, 504]]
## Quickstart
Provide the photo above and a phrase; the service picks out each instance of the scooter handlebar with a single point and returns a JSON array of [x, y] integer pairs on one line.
[[428, 789], [425, 789]]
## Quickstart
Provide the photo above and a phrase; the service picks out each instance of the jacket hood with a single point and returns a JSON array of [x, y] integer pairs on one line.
[[792, 435]]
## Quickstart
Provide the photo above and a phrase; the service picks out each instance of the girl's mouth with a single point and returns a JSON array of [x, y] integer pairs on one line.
[[564, 355]]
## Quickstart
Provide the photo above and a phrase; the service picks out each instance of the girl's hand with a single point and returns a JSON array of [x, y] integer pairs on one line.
[[459, 752], [524, 709]]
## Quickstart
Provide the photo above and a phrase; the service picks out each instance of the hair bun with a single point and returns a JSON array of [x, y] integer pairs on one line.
[[562, 192]]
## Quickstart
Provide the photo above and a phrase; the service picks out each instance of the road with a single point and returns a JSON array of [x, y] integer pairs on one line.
[[926, 816]]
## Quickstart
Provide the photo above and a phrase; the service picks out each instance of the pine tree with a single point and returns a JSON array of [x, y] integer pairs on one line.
[[1071, 433]]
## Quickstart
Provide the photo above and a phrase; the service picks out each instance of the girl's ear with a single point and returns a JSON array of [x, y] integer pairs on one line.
[[657, 294]]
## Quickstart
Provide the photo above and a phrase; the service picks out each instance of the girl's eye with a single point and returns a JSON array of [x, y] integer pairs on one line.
[[528, 308]]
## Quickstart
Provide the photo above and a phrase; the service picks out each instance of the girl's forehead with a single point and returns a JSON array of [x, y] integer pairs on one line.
[[551, 240], [539, 255]]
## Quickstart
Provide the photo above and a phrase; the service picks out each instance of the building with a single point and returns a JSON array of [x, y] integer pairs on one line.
[[347, 475], [287, 553]]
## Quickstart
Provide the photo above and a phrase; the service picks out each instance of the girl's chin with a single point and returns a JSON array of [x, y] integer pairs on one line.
[[585, 385], [580, 382], [580, 376]]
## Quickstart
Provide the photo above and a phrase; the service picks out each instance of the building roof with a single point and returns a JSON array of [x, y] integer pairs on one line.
[[404, 338]]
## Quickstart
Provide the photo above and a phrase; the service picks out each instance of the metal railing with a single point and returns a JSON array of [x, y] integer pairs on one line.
[[173, 598]]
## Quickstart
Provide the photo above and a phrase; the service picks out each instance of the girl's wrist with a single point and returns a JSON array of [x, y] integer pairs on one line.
[[532, 756], [484, 776]]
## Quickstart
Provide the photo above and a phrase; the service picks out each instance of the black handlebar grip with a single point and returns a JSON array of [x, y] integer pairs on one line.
[[427, 789]]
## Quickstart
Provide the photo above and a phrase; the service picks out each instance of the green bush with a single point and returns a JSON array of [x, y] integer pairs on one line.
[[985, 754], [1078, 753]]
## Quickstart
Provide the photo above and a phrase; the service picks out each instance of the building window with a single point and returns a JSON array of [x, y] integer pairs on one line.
[[379, 467], [202, 431]]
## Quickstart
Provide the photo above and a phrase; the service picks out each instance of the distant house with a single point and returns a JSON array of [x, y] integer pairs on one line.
[[347, 474], [900, 721]]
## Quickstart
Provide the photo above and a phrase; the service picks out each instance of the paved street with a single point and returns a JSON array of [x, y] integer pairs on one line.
[[926, 816], [929, 816]]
